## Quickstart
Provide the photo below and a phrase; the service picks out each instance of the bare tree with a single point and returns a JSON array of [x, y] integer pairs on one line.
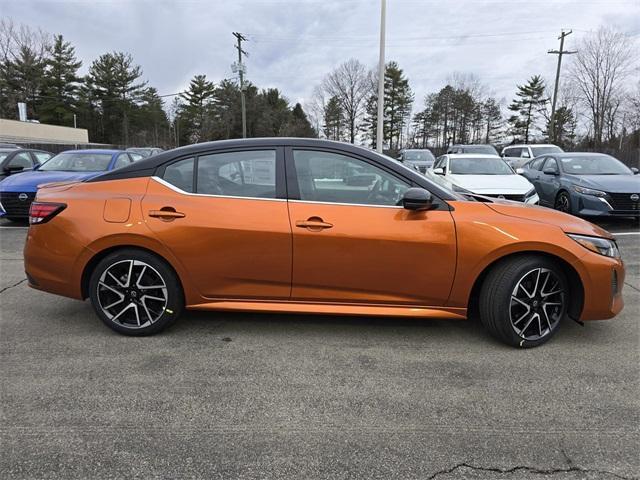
[[350, 84], [604, 60]]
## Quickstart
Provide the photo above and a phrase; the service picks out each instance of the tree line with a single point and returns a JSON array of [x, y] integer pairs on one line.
[[598, 104]]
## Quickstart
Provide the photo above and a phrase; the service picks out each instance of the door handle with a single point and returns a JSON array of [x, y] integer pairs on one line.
[[313, 223], [166, 213]]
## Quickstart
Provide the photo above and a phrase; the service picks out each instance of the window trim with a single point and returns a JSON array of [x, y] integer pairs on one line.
[[280, 173]]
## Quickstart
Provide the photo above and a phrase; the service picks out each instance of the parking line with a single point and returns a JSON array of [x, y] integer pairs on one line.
[[624, 233]]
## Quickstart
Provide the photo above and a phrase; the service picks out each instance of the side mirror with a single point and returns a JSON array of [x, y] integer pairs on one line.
[[519, 171], [438, 171], [635, 170], [550, 171], [417, 199], [13, 169]]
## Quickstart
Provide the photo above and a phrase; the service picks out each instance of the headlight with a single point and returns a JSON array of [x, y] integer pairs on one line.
[[600, 245], [530, 193], [589, 191]]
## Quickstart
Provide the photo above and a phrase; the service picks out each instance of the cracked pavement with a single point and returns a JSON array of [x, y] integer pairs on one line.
[[251, 396]]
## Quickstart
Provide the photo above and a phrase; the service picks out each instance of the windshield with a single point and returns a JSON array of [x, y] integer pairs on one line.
[[537, 151], [479, 166], [594, 165], [78, 162], [418, 156]]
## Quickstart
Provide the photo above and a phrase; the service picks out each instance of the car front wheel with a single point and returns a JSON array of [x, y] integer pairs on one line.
[[135, 293], [563, 202], [523, 300]]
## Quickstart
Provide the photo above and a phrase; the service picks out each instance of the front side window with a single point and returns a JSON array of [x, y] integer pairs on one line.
[[536, 164], [334, 178], [180, 174], [551, 164], [238, 174], [21, 160]]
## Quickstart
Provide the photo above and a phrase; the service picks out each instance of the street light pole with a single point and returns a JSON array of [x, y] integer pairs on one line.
[[380, 129]]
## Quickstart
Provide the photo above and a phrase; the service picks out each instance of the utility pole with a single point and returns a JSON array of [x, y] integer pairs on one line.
[[240, 68], [552, 124], [380, 126]]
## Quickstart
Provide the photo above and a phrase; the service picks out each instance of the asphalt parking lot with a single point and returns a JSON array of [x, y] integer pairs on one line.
[[287, 396]]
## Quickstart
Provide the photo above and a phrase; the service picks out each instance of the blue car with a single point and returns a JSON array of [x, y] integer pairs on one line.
[[18, 191], [585, 184]]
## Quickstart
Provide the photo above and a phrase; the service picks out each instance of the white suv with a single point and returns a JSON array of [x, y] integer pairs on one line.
[[518, 155]]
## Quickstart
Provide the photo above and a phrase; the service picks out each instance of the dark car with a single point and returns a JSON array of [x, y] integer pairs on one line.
[[14, 160], [585, 184], [485, 149], [418, 159]]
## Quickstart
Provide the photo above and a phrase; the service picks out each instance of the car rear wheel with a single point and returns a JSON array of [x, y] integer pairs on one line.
[[523, 300], [135, 293], [563, 202]]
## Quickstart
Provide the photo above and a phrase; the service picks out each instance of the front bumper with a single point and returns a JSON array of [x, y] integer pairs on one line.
[[602, 279], [591, 206]]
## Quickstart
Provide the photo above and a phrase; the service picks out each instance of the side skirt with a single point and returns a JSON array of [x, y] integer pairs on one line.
[[333, 309]]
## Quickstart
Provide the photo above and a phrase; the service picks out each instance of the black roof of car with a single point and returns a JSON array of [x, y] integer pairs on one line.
[[148, 166]]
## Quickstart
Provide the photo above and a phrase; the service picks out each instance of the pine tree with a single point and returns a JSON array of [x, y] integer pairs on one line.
[[60, 84], [334, 121], [531, 100], [24, 78], [299, 125], [492, 117], [196, 112], [398, 99], [114, 82]]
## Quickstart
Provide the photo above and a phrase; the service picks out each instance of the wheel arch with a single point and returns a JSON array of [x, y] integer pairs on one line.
[[576, 287]]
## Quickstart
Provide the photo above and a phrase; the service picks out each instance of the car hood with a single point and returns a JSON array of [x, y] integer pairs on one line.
[[608, 183], [568, 223], [29, 181], [492, 184]]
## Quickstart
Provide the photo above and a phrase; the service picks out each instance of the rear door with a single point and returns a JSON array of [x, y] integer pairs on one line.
[[224, 216], [354, 243]]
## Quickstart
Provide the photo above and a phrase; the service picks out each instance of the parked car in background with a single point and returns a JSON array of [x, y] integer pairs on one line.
[[484, 149], [270, 225], [486, 175], [18, 191], [146, 151], [518, 155], [585, 184], [8, 145], [418, 159], [15, 160]]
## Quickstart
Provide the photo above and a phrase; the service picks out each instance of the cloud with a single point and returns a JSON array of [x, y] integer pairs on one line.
[[293, 44]]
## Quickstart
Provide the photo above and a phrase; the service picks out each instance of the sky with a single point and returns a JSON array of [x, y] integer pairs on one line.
[[294, 44]]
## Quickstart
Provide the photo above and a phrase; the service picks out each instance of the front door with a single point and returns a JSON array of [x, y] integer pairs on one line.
[[353, 243], [225, 217]]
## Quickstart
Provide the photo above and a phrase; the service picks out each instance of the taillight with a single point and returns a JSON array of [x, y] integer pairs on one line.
[[41, 212]]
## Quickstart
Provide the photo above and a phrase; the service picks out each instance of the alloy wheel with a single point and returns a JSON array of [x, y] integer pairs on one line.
[[537, 304], [132, 294], [562, 203]]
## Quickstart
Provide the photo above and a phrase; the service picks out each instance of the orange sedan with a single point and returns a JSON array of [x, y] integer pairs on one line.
[[312, 226]]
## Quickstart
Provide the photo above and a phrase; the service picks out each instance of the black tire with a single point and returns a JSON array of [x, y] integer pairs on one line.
[[154, 300], [499, 311], [563, 202]]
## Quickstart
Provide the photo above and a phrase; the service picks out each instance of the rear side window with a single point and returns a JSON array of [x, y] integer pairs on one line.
[[512, 152], [180, 174], [21, 160], [238, 174]]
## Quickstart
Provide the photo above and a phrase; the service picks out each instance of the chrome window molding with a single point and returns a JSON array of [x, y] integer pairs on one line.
[[178, 190]]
